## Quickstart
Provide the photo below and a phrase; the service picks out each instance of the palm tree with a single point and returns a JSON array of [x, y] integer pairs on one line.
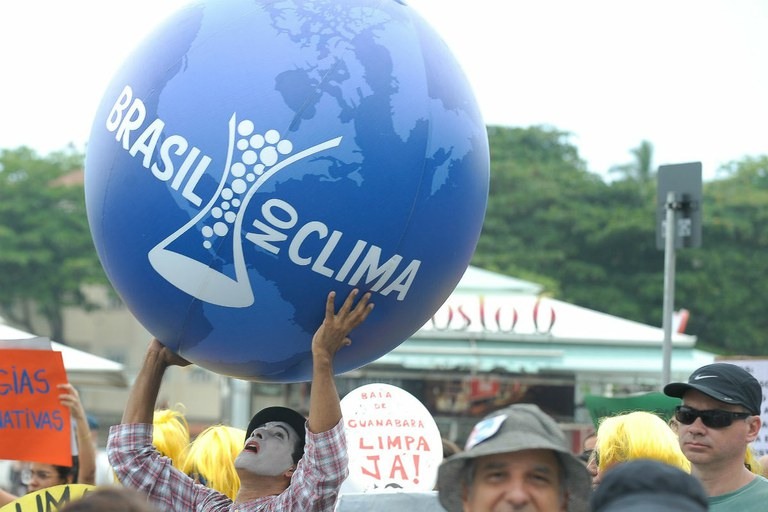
[[641, 170], [640, 174]]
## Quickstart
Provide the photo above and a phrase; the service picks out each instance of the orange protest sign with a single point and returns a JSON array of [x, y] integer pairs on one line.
[[34, 426]]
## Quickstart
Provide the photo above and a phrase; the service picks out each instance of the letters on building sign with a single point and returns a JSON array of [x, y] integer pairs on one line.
[[502, 319]]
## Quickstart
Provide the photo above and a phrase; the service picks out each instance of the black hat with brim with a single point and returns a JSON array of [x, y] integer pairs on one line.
[[269, 414]]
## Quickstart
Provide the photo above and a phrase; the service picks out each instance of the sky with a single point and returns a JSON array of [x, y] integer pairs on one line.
[[689, 76]]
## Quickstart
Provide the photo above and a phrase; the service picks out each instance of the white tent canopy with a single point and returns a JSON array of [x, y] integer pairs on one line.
[[83, 368]]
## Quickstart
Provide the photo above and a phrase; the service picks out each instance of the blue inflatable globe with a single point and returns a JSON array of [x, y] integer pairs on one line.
[[251, 156]]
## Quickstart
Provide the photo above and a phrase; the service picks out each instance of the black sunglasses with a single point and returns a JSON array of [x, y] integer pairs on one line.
[[714, 418]]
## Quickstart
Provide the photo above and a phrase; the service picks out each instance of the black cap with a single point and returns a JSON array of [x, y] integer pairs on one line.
[[641, 485], [725, 382], [277, 413]]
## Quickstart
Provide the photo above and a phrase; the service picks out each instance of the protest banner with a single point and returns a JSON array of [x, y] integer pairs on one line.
[[392, 439], [49, 499], [34, 426]]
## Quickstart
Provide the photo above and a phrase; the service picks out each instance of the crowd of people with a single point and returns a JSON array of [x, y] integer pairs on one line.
[[515, 459]]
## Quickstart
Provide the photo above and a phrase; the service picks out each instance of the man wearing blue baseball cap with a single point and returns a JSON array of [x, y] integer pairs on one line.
[[719, 417]]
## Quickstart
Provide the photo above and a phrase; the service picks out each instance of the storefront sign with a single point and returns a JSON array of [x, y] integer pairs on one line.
[[525, 314]]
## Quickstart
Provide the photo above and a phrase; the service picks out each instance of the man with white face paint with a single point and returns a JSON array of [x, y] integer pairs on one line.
[[274, 442], [288, 462]]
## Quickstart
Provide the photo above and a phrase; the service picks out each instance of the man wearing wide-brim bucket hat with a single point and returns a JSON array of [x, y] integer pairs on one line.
[[517, 458]]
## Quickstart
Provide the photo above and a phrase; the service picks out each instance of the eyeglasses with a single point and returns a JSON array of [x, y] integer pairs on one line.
[[27, 475], [585, 455], [714, 418]]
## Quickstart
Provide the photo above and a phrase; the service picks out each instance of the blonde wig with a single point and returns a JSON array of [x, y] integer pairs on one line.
[[211, 458], [638, 435], [752, 462], [171, 434]]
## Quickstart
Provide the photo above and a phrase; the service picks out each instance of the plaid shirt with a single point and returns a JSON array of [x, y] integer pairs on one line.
[[314, 486]]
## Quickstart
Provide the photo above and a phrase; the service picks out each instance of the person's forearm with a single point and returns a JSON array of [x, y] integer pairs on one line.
[[86, 452], [324, 406], [141, 400], [6, 497], [332, 335]]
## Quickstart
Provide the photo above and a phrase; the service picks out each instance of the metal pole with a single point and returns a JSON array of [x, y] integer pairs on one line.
[[240, 403], [669, 285]]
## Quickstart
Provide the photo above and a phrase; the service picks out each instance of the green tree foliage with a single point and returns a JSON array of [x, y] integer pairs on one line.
[[46, 251], [594, 243], [724, 282], [548, 216], [537, 183], [641, 169]]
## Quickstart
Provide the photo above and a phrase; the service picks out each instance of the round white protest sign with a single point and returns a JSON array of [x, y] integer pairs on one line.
[[393, 441]]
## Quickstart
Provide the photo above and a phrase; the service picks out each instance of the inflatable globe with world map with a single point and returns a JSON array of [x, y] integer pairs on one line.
[[251, 156]]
